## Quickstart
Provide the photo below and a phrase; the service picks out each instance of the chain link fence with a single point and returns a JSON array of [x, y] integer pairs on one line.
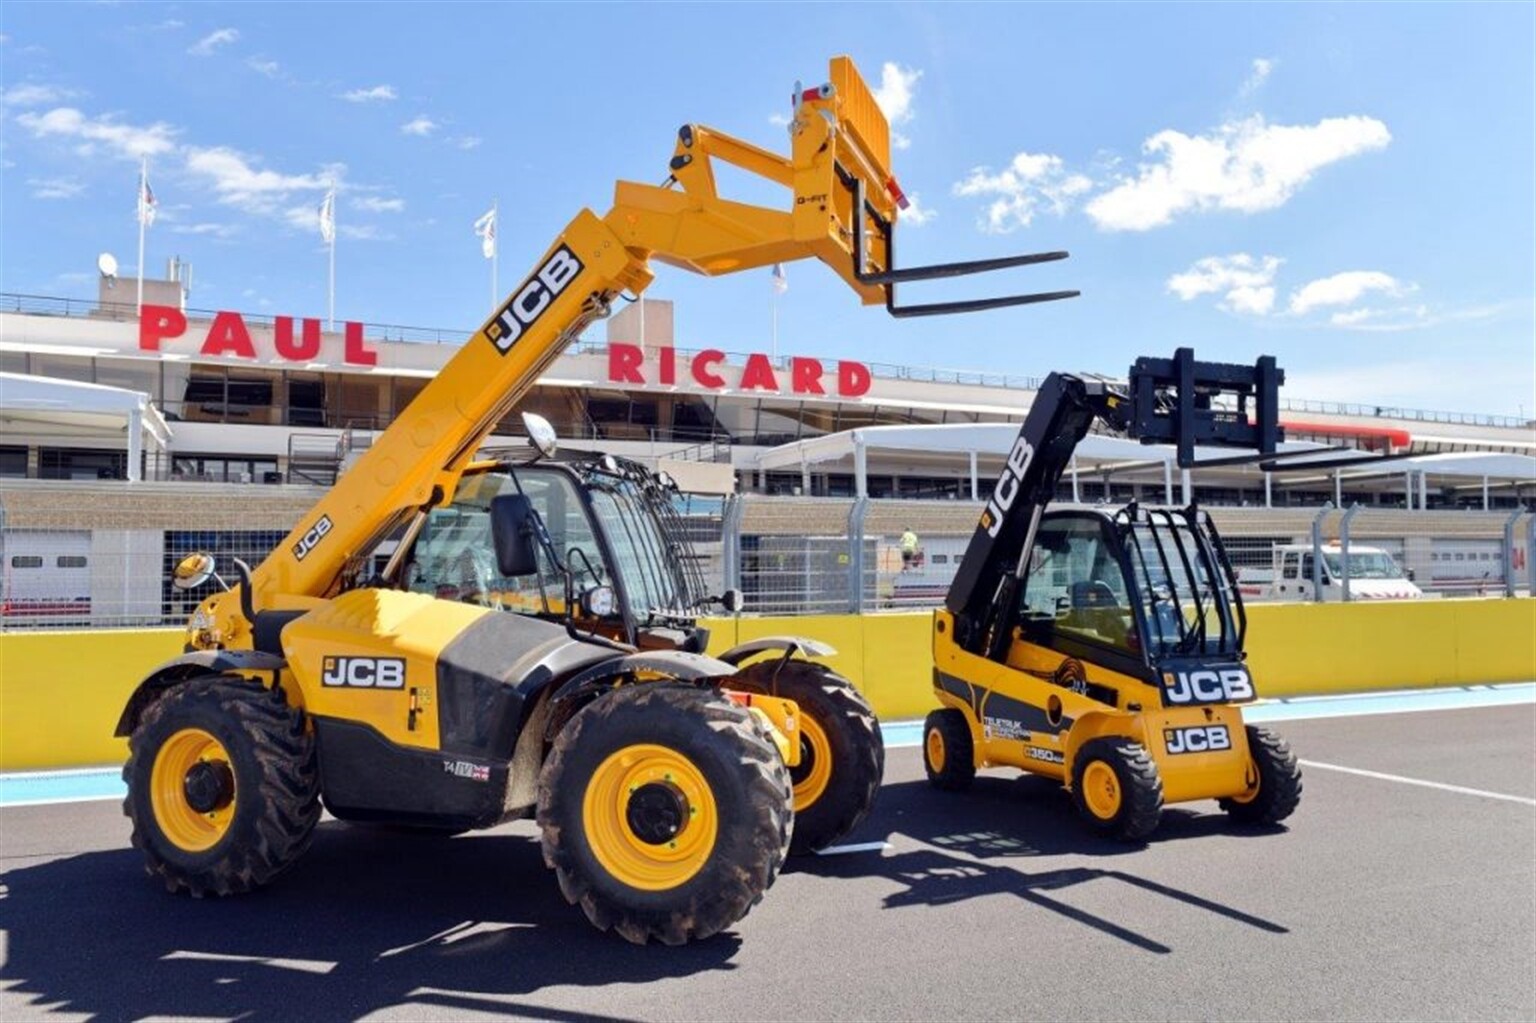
[[100, 554]]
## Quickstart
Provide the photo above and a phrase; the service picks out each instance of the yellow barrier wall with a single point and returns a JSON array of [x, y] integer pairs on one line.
[[61, 692]]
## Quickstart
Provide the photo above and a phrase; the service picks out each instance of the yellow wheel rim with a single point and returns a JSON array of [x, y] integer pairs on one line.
[[814, 771], [192, 790], [935, 749], [1101, 790], [650, 817]]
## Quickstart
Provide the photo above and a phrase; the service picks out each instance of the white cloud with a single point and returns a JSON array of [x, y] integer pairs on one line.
[[377, 94], [1344, 289], [422, 125], [779, 120], [916, 214], [468, 141], [373, 204], [1262, 67], [209, 44], [1245, 284], [213, 230], [125, 140], [55, 188], [894, 95], [1031, 182], [245, 187], [35, 95], [270, 68], [1246, 165]]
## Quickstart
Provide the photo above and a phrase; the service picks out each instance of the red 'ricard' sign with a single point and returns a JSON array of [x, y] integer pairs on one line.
[[228, 337], [627, 364]]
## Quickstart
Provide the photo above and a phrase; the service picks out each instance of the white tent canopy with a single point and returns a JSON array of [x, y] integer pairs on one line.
[[976, 440], [88, 411]]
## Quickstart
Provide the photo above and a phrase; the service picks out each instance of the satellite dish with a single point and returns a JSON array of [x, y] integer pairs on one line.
[[107, 264]]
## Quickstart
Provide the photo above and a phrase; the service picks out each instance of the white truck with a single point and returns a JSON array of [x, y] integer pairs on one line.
[[1373, 575]]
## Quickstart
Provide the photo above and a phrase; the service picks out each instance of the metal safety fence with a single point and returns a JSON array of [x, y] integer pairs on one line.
[[100, 554]]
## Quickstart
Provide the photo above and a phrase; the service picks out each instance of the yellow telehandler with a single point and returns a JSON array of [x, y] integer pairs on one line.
[[532, 646]]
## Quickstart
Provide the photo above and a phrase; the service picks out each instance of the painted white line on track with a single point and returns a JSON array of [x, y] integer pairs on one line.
[[1442, 786], [854, 847]]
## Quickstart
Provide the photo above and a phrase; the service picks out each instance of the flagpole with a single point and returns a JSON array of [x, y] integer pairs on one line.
[[495, 254], [143, 177], [775, 349]]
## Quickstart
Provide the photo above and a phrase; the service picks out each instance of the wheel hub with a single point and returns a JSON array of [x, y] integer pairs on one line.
[[209, 786], [656, 813], [807, 765]]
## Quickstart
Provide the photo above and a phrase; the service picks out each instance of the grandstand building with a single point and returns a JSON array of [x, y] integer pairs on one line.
[[98, 390]]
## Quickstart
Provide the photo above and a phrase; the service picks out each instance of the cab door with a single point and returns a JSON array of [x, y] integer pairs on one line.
[[1077, 622]]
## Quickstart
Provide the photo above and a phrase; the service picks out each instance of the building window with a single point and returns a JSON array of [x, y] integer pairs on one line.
[[13, 462], [69, 561], [81, 464]]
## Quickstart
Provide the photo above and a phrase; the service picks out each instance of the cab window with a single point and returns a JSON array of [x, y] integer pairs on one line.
[[1074, 586]]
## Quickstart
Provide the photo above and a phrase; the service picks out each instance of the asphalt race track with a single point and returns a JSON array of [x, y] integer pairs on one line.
[[1383, 899]]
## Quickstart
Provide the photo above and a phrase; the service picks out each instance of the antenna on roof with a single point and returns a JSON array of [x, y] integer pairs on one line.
[[107, 264]]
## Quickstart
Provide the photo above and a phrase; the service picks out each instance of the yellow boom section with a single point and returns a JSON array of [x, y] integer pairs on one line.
[[844, 202]]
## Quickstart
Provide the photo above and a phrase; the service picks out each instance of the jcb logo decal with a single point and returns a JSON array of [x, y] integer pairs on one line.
[[1008, 486], [364, 672], [1229, 685], [1199, 739], [311, 538], [532, 298]]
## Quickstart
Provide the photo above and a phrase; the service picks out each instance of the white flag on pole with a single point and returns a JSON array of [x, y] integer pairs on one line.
[[780, 283], [328, 217], [147, 200], [485, 230]]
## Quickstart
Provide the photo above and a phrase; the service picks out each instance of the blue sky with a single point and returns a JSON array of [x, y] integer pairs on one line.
[[1348, 187]]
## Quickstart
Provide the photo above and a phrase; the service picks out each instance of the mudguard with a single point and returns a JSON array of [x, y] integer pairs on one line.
[[684, 667], [791, 645], [191, 665]]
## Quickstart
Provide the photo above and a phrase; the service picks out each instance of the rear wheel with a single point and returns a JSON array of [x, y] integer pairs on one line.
[[1117, 789], [222, 786], [948, 752], [1275, 781], [842, 755], [664, 811]]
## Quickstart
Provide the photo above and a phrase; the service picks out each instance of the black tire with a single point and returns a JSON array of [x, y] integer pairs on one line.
[[270, 777], [949, 755], [827, 806], [747, 786], [1279, 777], [1137, 795]]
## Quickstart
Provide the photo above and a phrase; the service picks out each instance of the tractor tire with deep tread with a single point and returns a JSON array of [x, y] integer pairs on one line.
[[842, 754], [615, 772], [1279, 778], [1117, 789], [949, 753], [254, 758]]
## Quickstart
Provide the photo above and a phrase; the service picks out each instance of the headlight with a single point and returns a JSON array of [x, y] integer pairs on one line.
[[598, 601]]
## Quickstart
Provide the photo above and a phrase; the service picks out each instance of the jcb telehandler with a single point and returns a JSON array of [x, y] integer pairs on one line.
[[1104, 648], [565, 678]]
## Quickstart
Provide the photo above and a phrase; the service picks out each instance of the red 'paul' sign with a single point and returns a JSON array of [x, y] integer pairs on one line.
[[228, 337], [627, 365]]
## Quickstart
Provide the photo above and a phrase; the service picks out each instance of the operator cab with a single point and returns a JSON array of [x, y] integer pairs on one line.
[[598, 550], [1134, 591]]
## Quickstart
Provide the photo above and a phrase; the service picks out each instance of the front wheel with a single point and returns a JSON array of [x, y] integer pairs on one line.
[[664, 811], [842, 754], [223, 787], [1117, 789], [1275, 781]]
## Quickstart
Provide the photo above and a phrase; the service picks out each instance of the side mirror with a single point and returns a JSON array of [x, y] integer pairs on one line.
[[731, 600], [192, 571], [512, 535]]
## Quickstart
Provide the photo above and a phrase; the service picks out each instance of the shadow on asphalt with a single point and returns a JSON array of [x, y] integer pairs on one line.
[[362, 922], [1004, 818]]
